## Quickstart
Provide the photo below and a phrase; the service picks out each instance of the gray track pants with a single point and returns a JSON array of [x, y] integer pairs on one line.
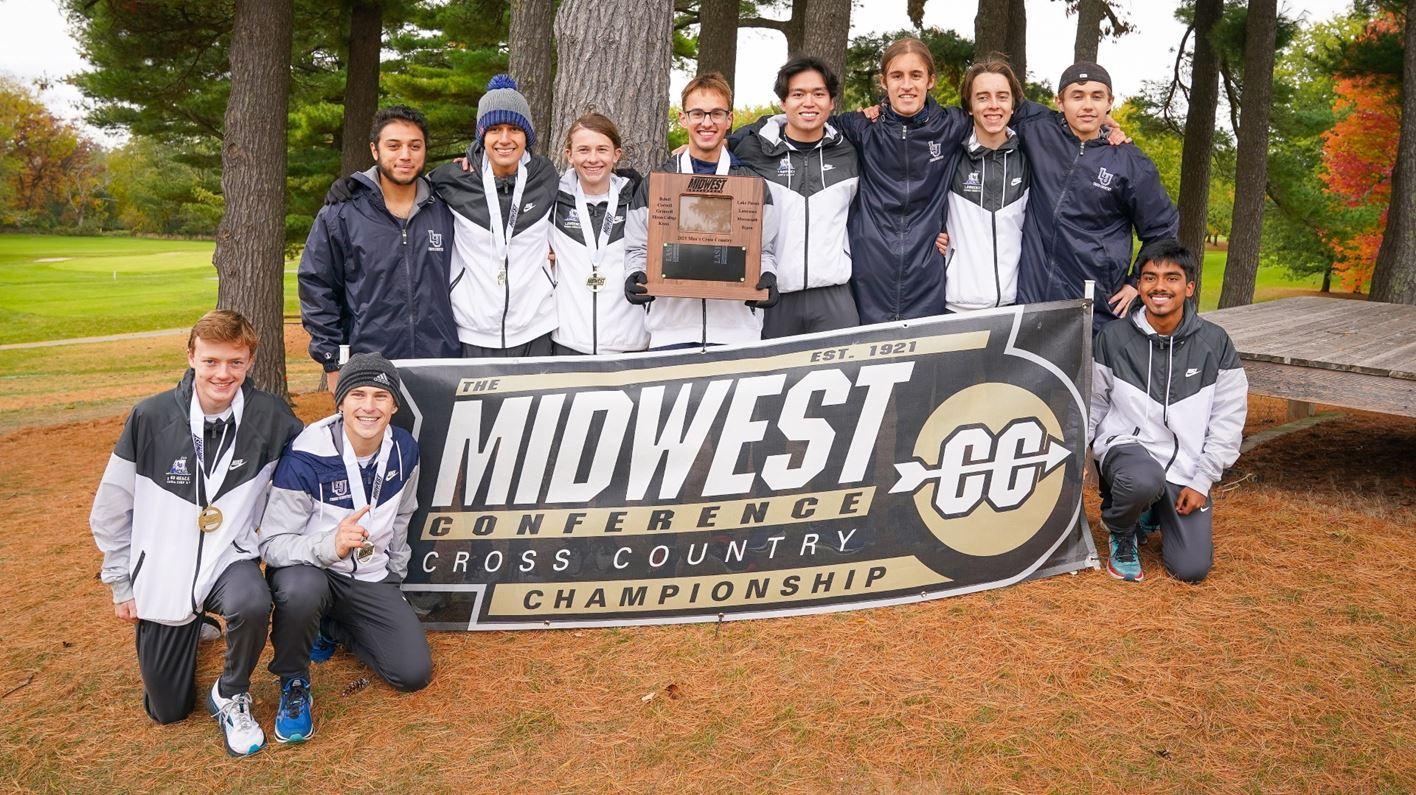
[[1131, 482], [167, 655], [371, 619], [808, 311]]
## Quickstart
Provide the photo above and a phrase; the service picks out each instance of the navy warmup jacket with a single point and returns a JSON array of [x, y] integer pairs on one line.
[[1086, 199], [899, 208], [377, 283]]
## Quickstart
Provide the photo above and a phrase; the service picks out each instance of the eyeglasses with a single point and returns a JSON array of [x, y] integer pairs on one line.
[[718, 116]]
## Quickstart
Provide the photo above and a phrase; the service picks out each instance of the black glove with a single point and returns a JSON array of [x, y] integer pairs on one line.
[[341, 191], [634, 290], [768, 282]]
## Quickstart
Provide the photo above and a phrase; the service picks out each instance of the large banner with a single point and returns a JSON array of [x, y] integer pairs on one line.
[[875, 466]]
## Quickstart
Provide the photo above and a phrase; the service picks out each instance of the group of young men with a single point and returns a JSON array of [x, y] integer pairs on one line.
[[215, 476], [911, 211]]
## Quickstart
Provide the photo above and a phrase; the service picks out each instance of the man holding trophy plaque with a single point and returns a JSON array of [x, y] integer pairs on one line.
[[701, 247]]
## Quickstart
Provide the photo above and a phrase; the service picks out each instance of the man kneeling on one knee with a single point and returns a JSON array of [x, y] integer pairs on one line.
[[335, 543], [1167, 415]]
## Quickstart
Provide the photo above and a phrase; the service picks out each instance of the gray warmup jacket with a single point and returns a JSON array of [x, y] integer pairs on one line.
[[1183, 397]]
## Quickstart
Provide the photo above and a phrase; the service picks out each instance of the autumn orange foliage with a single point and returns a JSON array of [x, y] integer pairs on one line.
[[1358, 154]]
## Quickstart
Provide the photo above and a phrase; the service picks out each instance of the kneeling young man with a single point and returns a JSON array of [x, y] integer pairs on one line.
[[176, 516], [1167, 415], [335, 543]]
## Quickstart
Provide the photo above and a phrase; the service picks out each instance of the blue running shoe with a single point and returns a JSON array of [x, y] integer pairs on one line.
[[324, 647], [1125, 562], [293, 720], [1149, 523]]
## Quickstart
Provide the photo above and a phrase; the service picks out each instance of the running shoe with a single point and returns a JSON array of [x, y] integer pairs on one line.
[[240, 732], [1125, 562], [294, 721]]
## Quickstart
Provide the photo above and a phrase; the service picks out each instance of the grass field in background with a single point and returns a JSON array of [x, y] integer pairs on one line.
[[93, 286], [1271, 283], [54, 287]]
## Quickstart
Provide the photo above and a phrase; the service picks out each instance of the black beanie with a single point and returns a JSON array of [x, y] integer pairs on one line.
[[1081, 72], [366, 369]]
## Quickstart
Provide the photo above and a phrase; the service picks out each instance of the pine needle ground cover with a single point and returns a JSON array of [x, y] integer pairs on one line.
[[1290, 669]]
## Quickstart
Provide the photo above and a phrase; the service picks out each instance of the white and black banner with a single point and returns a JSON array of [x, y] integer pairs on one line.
[[874, 466]]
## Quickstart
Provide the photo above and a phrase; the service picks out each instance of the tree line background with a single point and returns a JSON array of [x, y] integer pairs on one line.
[[239, 113]]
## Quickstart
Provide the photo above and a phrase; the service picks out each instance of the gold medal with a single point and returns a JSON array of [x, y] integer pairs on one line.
[[209, 520], [595, 281], [366, 550]]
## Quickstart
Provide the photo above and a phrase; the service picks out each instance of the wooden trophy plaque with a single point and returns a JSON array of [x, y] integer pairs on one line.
[[705, 236]]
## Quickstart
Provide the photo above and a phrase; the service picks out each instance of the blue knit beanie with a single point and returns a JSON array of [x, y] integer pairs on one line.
[[503, 104]]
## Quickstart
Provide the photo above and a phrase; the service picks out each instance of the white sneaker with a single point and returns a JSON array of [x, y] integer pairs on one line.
[[243, 735]]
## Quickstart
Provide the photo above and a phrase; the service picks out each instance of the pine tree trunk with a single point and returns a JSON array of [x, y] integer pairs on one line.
[[1198, 155], [1251, 174], [717, 37], [1016, 46], [623, 50], [250, 241], [1089, 16], [361, 85], [990, 28], [530, 62], [1001, 26], [1394, 278], [796, 27], [827, 28]]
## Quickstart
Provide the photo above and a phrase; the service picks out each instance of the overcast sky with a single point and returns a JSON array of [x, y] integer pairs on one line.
[[35, 45]]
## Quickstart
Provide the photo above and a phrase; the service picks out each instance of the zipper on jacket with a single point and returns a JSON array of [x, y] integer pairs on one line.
[[197, 569], [806, 241], [408, 278], [506, 283], [704, 302], [142, 556], [904, 216], [993, 218], [1057, 211]]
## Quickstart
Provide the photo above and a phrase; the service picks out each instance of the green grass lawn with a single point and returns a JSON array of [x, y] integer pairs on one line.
[[1271, 283], [55, 287]]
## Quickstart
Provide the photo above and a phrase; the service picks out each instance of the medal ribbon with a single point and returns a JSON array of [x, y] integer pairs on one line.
[[685, 163], [502, 233], [356, 479], [597, 246], [212, 485]]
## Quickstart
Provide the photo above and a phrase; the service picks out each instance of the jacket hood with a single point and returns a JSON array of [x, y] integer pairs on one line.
[[183, 393], [567, 184], [1189, 324], [774, 141], [977, 151], [1099, 140], [931, 109], [369, 179]]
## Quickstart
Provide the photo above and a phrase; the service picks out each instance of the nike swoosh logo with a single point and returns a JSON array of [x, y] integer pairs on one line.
[[1205, 509]]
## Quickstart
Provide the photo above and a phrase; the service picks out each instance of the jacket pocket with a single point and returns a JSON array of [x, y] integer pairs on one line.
[[142, 557]]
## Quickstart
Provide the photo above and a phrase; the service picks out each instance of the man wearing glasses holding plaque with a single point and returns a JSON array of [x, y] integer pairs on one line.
[[335, 543], [679, 322], [176, 517]]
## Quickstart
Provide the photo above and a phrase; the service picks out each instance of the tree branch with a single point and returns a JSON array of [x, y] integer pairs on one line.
[[1175, 80], [779, 25]]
